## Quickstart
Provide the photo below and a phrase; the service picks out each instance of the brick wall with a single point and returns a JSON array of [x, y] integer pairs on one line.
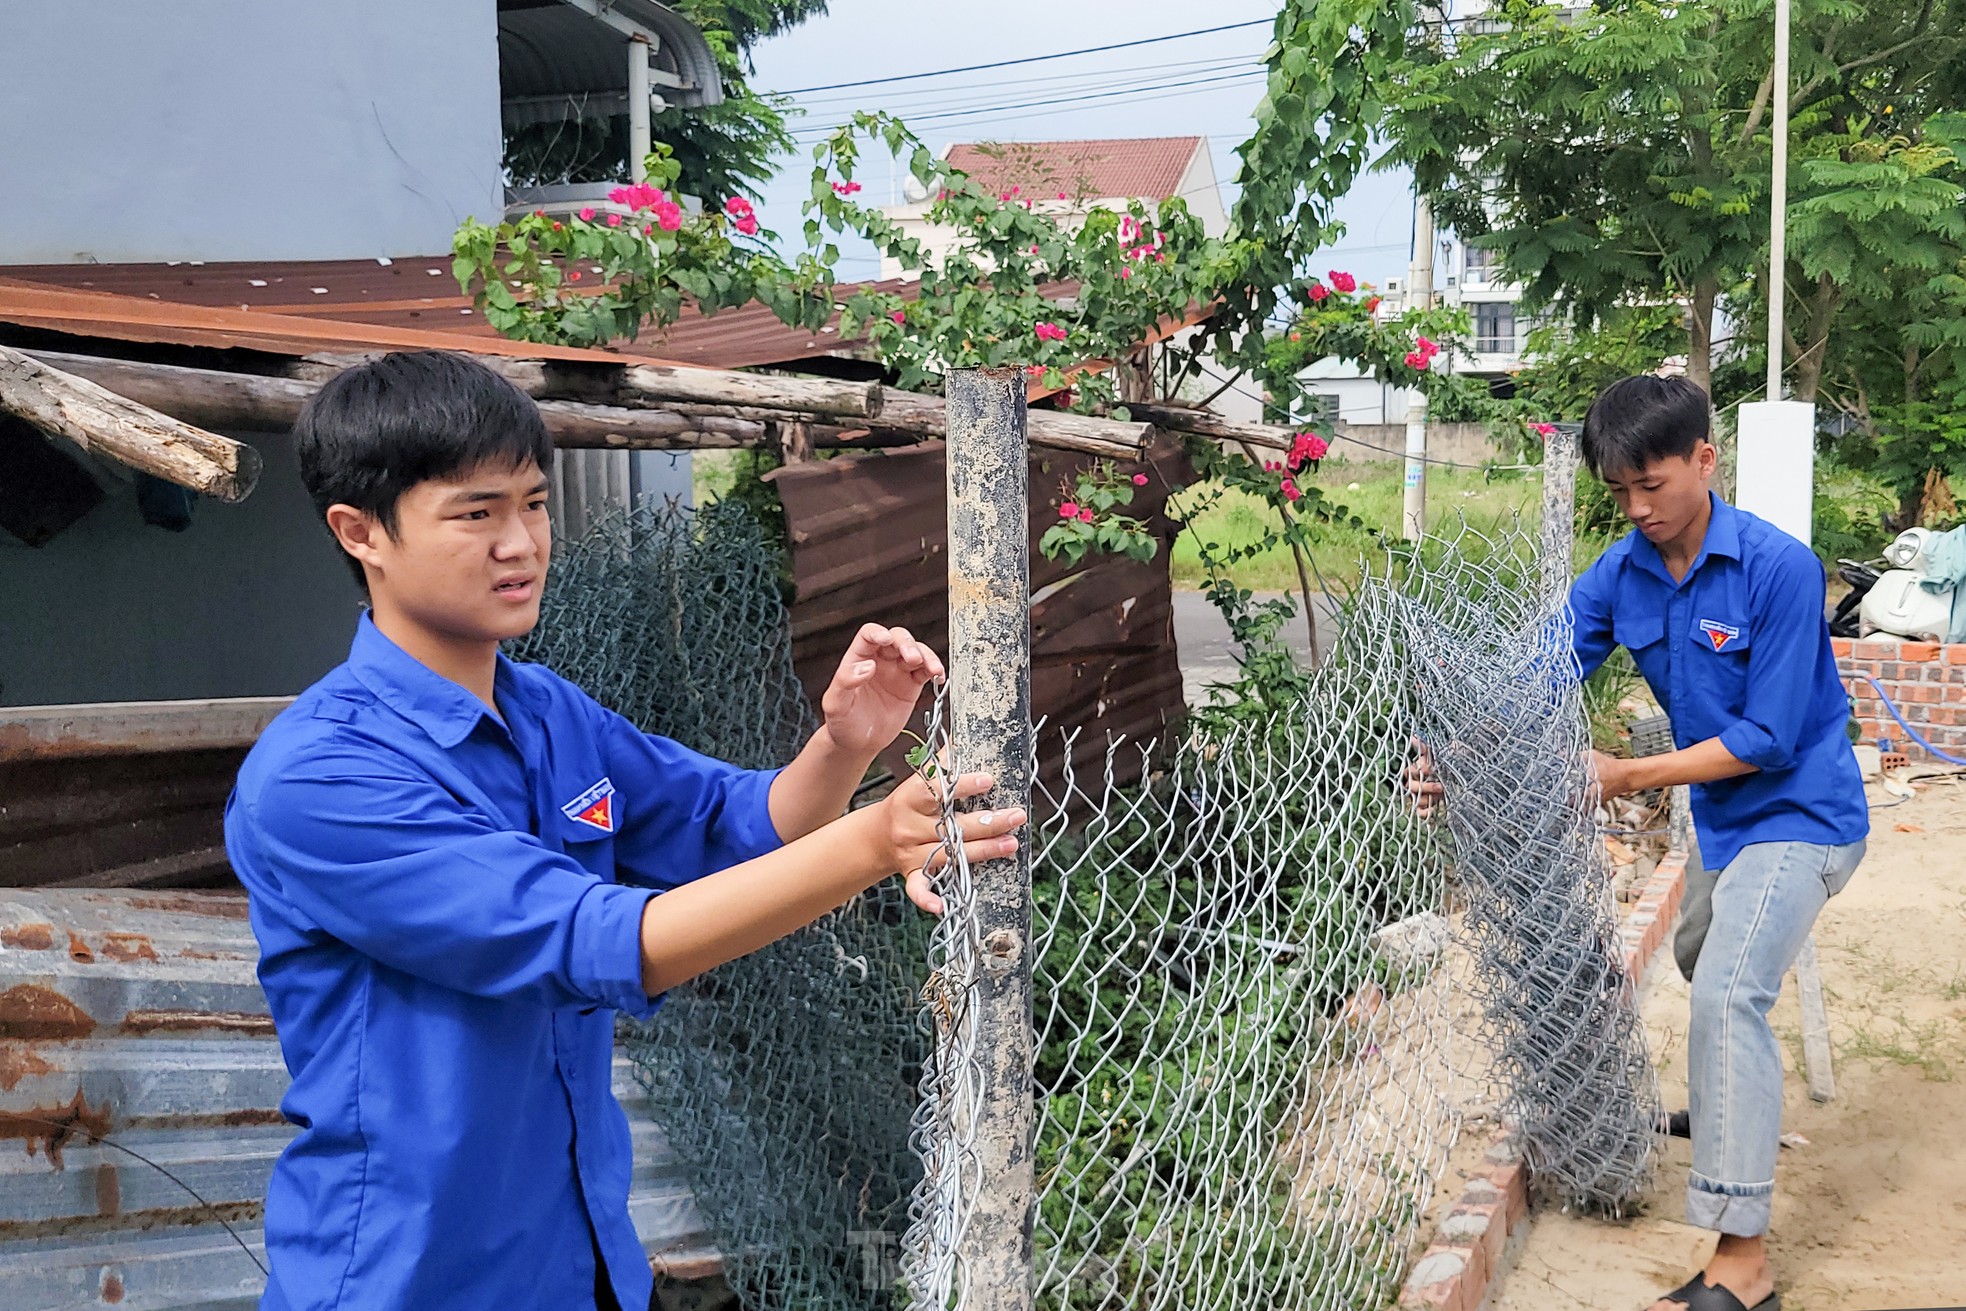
[[1926, 681]]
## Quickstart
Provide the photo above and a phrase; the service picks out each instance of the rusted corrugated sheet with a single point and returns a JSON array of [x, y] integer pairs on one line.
[[136, 1018], [356, 305], [868, 543], [129, 821], [361, 305]]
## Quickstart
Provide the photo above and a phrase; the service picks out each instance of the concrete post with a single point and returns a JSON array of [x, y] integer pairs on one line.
[[1559, 510], [990, 696]]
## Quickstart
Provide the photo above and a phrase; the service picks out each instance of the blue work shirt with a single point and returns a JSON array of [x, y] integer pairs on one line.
[[444, 945], [1738, 650]]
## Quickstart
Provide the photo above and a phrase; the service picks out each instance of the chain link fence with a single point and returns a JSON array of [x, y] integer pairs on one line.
[[1250, 967]]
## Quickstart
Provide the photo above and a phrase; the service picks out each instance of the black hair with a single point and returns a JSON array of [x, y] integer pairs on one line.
[[1637, 420], [375, 431]]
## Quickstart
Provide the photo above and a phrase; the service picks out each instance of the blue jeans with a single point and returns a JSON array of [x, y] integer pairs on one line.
[[1763, 906]]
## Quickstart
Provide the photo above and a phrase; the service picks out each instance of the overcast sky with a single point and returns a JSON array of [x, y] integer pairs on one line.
[[1113, 93]]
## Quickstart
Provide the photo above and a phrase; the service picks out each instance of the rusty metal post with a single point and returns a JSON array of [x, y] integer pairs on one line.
[[1559, 509], [990, 686]]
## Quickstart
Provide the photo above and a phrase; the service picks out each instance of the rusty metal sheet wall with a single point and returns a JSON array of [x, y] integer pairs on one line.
[[137, 1016], [126, 821], [868, 542]]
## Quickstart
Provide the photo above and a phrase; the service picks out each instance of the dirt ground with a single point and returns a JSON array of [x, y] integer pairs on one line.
[[1870, 1200]]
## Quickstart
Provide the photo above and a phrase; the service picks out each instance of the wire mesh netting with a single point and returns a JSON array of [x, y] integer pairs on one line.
[[1261, 976]]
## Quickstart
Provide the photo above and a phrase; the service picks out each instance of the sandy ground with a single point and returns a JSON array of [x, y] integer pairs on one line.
[[1870, 1211]]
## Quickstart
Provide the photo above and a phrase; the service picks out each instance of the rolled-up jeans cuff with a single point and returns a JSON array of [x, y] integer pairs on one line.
[[1739, 1209]]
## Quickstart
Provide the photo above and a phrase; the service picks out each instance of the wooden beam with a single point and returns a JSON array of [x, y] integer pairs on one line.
[[903, 411], [816, 396], [99, 420], [257, 402], [1207, 423]]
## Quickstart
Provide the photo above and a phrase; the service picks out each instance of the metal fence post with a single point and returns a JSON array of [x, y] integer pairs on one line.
[[990, 686], [1559, 509]]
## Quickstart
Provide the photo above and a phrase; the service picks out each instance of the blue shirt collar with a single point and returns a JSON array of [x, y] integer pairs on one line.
[[440, 707], [1723, 538]]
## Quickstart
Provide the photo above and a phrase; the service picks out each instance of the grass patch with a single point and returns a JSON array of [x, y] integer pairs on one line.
[[1373, 492]]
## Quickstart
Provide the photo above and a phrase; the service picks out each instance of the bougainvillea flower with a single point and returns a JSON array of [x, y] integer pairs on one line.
[[669, 216], [1344, 282], [1316, 292], [1085, 514], [1139, 480], [1069, 510], [747, 225], [587, 215], [899, 316]]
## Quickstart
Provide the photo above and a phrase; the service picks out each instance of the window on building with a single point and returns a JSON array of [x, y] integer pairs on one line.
[[1483, 265], [1494, 324]]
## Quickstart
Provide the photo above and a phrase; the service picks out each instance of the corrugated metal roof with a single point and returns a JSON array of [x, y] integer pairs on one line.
[[137, 1017], [1149, 168], [869, 535], [353, 305], [555, 49]]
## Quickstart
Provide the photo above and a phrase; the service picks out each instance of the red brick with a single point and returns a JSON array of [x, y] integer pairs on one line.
[[1876, 648], [1841, 646], [1919, 693], [1918, 651], [1955, 653]]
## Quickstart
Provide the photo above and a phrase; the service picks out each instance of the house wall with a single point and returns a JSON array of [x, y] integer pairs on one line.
[[240, 129], [251, 600]]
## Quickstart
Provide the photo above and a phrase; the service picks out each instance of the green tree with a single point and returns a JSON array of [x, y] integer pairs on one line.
[[1607, 155]]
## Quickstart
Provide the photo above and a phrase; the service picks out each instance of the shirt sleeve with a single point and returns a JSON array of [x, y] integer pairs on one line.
[[1590, 617], [683, 814], [1785, 611], [378, 854]]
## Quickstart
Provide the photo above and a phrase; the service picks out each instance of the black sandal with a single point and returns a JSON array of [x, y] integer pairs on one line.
[[1677, 1125], [1696, 1294]]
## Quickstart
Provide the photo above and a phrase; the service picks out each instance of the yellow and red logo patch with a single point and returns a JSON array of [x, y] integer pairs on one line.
[[1718, 633], [594, 807]]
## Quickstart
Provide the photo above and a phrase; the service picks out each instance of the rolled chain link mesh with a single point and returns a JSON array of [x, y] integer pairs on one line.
[[1251, 965]]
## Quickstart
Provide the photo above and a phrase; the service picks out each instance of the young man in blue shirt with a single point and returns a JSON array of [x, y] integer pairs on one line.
[[1723, 615], [453, 863]]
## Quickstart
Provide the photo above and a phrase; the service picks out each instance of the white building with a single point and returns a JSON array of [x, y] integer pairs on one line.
[[1071, 179]]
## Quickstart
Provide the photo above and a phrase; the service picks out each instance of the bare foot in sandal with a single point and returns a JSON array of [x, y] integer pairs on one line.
[[1737, 1279]]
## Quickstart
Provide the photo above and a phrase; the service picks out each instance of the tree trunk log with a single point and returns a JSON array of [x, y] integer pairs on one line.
[[848, 400], [255, 402], [903, 411], [1207, 423], [99, 420]]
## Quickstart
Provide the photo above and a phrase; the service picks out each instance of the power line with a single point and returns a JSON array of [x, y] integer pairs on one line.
[[998, 86], [1034, 59], [808, 135]]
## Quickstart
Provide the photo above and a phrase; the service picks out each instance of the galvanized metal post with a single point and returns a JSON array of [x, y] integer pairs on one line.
[[990, 686], [1559, 509]]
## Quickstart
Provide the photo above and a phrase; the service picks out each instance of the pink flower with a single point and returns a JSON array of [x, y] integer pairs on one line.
[[1069, 510], [574, 276], [1344, 282], [1034, 248], [1316, 292], [846, 188], [1048, 331], [1034, 370], [557, 225], [1290, 492], [1015, 190], [614, 220], [587, 215], [668, 215], [1160, 257], [1126, 273], [1426, 347], [737, 207], [1061, 195], [1306, 446], [1139, 480], [1129, 227], [747, 225], [899, 316], [1085, 514], [648, 229], [1544, 430], [1415, 360], [637, 198]]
